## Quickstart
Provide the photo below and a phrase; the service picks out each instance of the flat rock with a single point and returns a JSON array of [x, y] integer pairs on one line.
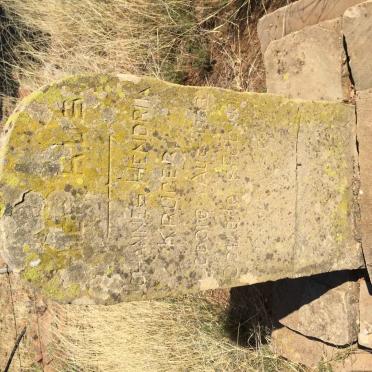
[[116, 188], [364, 113], [309, 64], [365, 311], [358, 361], [357, 28], [324, 307], [300, 349], [298, 15]]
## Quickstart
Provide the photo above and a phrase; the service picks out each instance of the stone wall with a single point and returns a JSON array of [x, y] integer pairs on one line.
[[323, 52]]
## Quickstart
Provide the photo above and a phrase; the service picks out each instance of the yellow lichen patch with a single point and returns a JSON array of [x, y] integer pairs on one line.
[[46, 264]]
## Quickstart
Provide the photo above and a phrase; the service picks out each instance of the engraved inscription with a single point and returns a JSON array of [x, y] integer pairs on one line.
[[202, 220], [134, 170], [73, 162], [137, 222], [73, 108], [231, 224], [168, 198]]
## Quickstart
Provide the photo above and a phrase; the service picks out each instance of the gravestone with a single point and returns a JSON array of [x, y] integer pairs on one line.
[[116, 188]]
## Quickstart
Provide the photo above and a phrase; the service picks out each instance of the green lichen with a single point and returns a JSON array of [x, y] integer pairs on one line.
[[42, 275]]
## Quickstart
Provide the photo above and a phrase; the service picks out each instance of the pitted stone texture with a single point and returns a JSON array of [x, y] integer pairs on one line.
[[365, 311], [309, 64], [121, 188], [298, 15], [324, 307], [364, 114], [357, 28]]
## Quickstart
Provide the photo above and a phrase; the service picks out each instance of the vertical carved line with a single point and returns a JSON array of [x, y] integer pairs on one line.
[[108, 185]]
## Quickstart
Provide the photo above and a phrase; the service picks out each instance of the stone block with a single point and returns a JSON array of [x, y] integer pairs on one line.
[[357, 28], [365, 311], [364, 129], [309, 64], [324, 307], [120, 188], [298, 15], [300, 349], [358, 361]]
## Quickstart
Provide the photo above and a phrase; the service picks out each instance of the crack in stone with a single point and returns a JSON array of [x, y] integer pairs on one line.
[[356, 177], [296, 191], [108, 186], [22, 199], [347, 61]]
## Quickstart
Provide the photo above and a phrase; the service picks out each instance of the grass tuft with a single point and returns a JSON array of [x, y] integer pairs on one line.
[[184, 334]]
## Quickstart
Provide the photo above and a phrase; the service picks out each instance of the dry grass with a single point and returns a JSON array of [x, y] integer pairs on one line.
[[188, 334], [200, 42], [55, 38]]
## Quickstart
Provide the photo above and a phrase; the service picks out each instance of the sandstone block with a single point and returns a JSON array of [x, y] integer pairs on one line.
[[120, 188], [358, 361], [309, 64], [357, 28], [298, 15], [324, 307], [365, 311], [300, 349], [364, 113]]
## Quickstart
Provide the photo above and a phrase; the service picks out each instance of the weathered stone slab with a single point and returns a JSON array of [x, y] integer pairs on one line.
[[119, 188], [357, 28], [358, 361], [365, 310], [314, 354], [323, 307], [298, 15], [364, 114], [300, 349], [309, 64]]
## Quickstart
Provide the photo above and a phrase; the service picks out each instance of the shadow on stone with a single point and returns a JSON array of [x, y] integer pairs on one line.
[[291, 294], [255, 310]]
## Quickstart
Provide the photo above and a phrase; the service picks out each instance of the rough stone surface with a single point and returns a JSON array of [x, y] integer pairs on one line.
[[120, 188], [357, 28], [297, 16], [364, 114], [324, 307], [309, 64], [300, 349], [358, 361], [365, 311]]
